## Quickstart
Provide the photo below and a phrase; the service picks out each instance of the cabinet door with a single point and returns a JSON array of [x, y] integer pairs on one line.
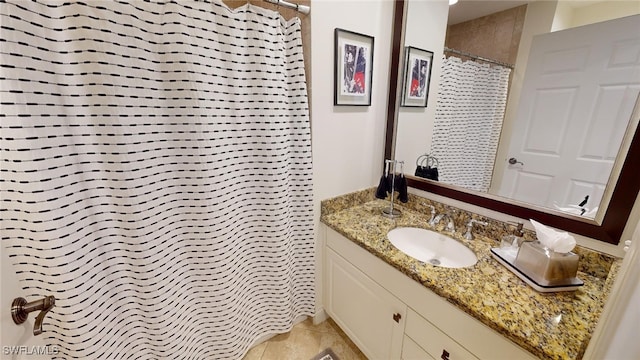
[[372, 317]]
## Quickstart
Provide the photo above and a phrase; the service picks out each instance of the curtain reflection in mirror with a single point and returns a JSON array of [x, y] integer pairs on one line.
[[469, 113]]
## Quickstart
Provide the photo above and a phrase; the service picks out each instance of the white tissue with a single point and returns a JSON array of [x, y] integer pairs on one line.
[[571, 209], [577, 210], [558, 241], [591, 213]]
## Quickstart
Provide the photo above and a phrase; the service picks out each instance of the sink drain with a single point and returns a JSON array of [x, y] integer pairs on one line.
[[434, 262]]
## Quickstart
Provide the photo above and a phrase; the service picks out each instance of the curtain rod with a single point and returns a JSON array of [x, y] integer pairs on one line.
[[476, 57], [300, 8]]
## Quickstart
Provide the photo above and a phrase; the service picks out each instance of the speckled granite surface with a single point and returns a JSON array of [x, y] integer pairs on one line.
[[550, 326]]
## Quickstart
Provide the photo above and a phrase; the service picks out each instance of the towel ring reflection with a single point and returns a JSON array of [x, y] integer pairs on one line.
[[427, 160]]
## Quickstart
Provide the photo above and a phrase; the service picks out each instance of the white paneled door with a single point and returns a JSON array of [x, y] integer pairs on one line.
[[580, 88]]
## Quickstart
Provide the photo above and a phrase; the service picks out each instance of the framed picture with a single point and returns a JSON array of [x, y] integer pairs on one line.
[[417, 74], [353, 66]]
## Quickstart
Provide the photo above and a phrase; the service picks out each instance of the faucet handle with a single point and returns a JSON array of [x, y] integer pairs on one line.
[[436, 219], [433, 212], [476, 221], [451, 227], [469, 235]]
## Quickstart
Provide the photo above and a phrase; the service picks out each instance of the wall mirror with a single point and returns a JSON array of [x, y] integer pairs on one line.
[[411, 132]]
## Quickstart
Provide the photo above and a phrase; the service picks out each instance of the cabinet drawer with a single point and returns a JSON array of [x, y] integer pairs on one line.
[[411, 351], [432, 340]]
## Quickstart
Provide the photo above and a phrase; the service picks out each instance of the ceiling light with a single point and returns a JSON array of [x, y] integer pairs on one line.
[[451, 2]]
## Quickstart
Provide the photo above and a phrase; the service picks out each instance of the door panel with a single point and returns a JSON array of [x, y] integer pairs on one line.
[[551, 110], [603, 140], [532, 186]]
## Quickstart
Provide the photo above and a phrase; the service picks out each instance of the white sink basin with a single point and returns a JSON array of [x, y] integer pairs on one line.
[[432, 247]]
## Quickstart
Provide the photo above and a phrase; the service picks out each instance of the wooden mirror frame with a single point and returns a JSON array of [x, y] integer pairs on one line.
[[617, 213]]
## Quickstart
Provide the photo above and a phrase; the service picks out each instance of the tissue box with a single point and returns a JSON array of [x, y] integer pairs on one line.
[[545, 266]]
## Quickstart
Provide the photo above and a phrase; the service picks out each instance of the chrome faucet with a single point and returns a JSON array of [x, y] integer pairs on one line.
[[450, 225], [469, 235]]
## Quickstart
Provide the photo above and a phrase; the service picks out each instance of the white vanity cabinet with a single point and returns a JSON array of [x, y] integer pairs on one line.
[[369, 314], [390, 316]]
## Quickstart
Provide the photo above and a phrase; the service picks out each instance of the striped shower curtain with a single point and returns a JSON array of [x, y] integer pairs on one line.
[[156, 174], [469, 113]]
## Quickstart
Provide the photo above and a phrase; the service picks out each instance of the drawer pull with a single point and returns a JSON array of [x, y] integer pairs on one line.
[[397, 317], [445, 355]]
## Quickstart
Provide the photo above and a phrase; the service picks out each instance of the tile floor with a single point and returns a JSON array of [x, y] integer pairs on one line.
[[304, 341]]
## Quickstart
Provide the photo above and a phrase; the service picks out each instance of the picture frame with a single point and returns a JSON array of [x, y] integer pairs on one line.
[[353, 68], [417, 77]]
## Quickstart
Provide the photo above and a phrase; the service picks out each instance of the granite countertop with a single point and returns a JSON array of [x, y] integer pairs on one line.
[[550, 326]]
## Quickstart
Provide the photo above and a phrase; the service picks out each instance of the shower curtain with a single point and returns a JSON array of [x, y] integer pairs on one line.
[[469, 113], [156, 174]]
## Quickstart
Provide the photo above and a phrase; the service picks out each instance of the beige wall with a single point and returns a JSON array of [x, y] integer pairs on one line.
[[495, 36], [568, 15], [426, 28], [347, 141], [603, 11]]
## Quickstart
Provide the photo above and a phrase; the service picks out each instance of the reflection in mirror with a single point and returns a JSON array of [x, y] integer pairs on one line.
[[551, 132]]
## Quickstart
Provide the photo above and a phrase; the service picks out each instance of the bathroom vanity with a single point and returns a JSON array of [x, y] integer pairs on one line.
[[395, 307]]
